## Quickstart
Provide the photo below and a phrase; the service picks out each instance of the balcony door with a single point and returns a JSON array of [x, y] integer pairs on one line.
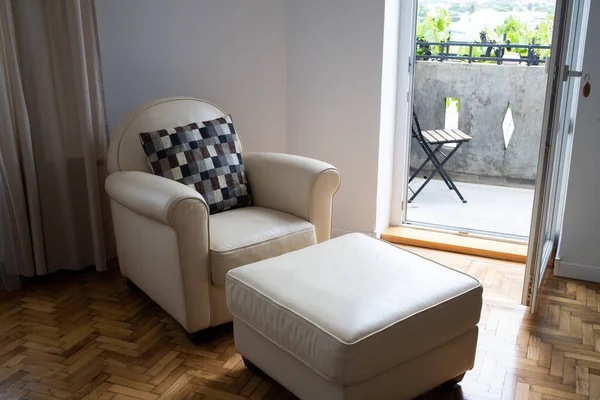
[[469, 81], [564, 86]]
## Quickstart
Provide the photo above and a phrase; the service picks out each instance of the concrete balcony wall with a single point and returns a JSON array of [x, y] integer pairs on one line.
[[484, 91]]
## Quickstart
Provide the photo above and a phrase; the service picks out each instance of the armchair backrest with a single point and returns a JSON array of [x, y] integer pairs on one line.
[[125, 152]]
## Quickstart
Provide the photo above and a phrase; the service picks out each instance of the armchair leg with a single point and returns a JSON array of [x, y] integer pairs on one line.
[[199, 337], [454, 380], [132, 286], [208, 334]]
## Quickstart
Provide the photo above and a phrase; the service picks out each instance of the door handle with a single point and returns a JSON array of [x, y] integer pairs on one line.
[[569, 73], [587, 86]]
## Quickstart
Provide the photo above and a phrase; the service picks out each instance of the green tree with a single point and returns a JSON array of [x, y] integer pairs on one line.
[[543, 35], [435, 28], [514, 31]]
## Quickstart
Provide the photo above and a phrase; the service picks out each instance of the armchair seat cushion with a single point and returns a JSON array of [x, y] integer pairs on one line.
[[246, 235]]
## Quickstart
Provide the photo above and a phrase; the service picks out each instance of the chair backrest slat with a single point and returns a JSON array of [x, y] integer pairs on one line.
[[416, 127]]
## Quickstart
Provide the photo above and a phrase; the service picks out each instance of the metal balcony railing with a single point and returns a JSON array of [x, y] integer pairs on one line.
[[494, 52]]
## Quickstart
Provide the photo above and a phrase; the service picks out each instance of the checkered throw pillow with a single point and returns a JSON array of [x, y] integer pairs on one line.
[[206, 156]]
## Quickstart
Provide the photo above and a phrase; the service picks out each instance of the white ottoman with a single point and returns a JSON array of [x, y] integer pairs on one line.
[[355, 318]]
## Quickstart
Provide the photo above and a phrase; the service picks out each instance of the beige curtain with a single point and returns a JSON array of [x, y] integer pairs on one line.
[[53, 140]]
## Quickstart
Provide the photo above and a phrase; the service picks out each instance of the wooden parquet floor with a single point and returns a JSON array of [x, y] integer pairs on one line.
[[85, 335]]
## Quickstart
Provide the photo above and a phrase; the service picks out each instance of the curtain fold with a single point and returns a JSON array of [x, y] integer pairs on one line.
[[53, 208]]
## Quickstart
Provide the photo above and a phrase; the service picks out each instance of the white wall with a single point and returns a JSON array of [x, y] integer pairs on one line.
[[334, 70], [580, 238], [298, 76], [229, 52]]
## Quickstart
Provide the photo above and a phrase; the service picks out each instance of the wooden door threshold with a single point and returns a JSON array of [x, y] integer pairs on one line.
[[456, 243]]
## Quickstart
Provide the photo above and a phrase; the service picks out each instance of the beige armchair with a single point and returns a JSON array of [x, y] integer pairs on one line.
[[171, 248]]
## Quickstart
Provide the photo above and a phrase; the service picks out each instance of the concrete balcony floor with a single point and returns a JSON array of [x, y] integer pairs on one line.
[[497, 209]]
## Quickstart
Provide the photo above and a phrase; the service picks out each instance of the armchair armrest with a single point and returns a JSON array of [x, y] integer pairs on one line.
[[162, 233], [296, 185], [150, 195]]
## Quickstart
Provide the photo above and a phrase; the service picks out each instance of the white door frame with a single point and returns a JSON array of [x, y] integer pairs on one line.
[[406, 62]]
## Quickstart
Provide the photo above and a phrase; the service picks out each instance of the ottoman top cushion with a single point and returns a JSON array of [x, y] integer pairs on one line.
[[353, 307]]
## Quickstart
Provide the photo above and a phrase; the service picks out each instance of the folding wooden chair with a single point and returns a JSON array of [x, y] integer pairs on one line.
[[432, 143]]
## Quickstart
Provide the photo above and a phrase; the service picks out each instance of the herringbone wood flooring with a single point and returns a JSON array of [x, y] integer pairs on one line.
[[86, 335]]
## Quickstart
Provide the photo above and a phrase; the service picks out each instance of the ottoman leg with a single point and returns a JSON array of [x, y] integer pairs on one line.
[[251, 367]]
